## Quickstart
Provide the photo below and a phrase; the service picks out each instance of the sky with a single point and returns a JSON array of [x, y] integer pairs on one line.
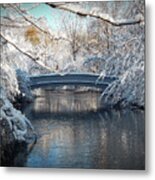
[[53, 16]]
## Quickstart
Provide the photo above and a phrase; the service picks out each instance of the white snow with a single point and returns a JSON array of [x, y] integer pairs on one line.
[[18, 123], [124, 58]]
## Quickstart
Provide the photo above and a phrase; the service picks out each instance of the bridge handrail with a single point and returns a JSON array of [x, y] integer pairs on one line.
[[91, 79], [64, 74]]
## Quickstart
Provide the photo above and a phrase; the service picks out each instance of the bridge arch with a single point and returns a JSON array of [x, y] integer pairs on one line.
[[81, 79]]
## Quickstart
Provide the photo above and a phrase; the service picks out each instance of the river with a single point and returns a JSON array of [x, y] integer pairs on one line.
[[74, 132]]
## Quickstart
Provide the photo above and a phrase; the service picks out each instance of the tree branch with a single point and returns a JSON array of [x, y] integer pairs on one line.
[[19, 11], [103, 17], [25, 53], [12, 25]]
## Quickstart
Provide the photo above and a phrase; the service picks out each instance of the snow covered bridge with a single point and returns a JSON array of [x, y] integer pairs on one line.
[[81, 79]]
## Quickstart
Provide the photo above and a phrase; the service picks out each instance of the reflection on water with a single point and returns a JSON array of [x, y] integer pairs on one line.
[[72, 133], [66, 101]]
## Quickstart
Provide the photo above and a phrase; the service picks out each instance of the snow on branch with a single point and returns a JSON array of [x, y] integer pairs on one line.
[[20, 12], [103, 17], [25, 53]]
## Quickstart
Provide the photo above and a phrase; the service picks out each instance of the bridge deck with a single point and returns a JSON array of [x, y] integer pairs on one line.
[[70, 79]]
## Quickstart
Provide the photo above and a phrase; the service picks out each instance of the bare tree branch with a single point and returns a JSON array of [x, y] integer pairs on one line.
[[12, 25], [20, 12], [25, 53], [103, 17]]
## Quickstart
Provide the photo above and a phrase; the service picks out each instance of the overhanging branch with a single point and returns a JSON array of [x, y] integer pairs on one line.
[[25, 53], [19, 11], [103, 17]]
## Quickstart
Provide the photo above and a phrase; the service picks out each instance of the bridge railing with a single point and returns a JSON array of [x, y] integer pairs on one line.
[[84, 79]]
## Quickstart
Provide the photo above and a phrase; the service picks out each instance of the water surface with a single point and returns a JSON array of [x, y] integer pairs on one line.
[[73, 132]]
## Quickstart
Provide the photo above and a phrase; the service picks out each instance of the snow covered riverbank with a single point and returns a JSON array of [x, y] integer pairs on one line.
[[15, 127]]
